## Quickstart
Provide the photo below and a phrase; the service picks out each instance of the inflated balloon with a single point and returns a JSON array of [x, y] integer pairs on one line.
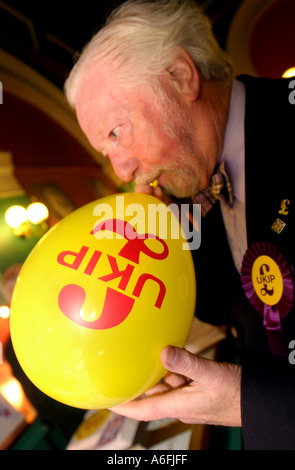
[[99, 297]]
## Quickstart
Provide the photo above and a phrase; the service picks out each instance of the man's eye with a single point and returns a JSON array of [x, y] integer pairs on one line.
[[115, 132]]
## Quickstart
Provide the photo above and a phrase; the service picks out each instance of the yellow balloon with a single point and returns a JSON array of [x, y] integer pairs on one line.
[[99, 297]]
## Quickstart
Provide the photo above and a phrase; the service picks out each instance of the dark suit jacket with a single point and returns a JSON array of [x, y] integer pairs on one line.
[[268, 382]]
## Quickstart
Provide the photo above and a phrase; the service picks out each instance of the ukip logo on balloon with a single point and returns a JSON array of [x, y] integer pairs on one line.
[[96, 301], [72, 296]]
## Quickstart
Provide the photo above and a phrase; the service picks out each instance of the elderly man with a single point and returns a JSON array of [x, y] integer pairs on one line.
[[154, 92]]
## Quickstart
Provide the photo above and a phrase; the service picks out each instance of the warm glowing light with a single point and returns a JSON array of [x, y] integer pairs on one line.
[[15, 216], [4, 311], [37, 212], [13, 392], [289, 73]]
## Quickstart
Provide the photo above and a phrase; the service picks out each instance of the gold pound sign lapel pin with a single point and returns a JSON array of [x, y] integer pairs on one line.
[[279, 225], [283, 209]]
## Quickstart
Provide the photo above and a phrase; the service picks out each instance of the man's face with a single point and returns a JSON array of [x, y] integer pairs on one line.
[[146, 136]]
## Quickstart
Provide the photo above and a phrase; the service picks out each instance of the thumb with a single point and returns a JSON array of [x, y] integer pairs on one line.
[[181, 362]]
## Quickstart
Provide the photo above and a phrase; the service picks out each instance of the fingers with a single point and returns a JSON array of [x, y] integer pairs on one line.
[[146, 189], [161, 387], [160, 401], [159, 406], [181, 362], [175, 380], [169, 382], [158, 192], [212, 396]]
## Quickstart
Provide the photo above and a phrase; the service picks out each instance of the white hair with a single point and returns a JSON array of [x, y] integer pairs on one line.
[[141, 38]]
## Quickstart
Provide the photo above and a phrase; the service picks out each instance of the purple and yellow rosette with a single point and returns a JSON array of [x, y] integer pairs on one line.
[[268, 282]]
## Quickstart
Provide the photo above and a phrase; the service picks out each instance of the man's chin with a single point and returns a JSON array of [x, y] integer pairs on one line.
[[178, 192]]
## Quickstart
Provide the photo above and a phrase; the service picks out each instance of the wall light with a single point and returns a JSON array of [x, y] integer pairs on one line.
[[13, 392], [19, 219], [15, 216], [289, 73], [4, 311], [37, 212]]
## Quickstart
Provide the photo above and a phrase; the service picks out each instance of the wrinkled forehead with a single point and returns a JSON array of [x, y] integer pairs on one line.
[[101, 101], [93, 80], [100, 89], [97, 97]]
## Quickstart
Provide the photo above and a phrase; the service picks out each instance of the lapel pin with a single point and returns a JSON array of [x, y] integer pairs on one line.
[[278, 225], [283, 209]]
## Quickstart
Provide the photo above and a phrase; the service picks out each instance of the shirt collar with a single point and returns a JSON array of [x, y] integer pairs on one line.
[[233, 152]]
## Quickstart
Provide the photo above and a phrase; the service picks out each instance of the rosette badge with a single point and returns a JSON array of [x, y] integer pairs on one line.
[[268, 282]]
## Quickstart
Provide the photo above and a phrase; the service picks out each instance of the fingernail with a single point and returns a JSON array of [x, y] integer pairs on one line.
[[171, 355]]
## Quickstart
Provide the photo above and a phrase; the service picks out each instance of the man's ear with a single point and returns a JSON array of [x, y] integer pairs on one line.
[[185, 75]]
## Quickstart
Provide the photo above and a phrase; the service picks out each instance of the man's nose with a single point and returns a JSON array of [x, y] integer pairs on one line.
[[125, 167]]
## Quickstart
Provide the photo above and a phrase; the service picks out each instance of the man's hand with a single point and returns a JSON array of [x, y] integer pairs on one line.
[[195, 390]]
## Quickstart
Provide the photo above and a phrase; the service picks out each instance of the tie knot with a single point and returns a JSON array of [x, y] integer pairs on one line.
[[220, 188]]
